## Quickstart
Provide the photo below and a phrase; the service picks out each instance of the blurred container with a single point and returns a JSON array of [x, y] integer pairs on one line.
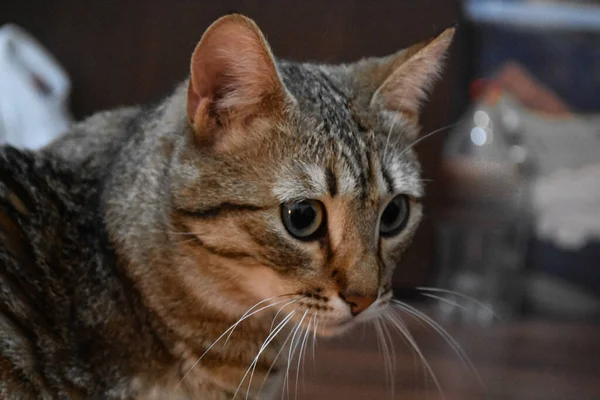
[[483, 234], [546, 54]]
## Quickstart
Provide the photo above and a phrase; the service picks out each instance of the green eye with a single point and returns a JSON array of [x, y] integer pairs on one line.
[[394, 217], [303, 219]]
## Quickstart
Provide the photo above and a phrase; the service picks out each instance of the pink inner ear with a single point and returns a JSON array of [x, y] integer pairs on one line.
[[232, 66]]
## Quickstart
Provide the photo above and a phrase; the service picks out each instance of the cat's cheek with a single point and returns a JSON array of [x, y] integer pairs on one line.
[[263, 282]]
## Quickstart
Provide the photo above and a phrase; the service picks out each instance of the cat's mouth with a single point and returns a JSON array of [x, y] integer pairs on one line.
[[333, 326], [324, 313]]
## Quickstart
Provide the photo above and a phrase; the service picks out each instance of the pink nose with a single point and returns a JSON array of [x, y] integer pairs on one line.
[[357, 303]]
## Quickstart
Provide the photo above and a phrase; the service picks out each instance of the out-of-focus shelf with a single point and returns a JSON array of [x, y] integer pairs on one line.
[[527, 15]]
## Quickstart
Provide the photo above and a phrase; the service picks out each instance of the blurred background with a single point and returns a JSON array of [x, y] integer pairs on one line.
[[507, 257]]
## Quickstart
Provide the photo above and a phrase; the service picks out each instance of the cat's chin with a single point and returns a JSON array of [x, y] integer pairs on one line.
[[337, 328]]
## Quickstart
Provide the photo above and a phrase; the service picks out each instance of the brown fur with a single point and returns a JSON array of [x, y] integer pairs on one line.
[[131, 244]]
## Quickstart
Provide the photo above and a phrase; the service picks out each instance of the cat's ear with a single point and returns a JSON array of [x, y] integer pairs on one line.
[[233, 78], [407, 76]]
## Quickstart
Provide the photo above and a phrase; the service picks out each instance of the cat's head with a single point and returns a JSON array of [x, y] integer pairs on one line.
[[298, 181]]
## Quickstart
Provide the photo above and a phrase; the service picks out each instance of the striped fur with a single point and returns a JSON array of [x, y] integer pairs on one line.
[[129, 246]]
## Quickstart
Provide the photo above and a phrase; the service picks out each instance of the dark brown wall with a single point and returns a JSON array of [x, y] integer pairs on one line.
[[132, 51]]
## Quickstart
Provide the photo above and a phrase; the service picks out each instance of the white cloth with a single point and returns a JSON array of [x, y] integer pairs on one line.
[[33, 91], [567, 206]]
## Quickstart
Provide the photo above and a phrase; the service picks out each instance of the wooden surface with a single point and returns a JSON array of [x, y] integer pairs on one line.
[[531, 359]]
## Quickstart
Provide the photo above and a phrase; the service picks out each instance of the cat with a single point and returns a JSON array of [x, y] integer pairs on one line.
[[173, 251]]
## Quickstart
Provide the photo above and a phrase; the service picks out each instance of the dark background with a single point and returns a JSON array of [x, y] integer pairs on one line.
[[134, 51]]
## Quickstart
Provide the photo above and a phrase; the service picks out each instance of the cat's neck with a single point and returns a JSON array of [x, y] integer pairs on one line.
[[135, 196]]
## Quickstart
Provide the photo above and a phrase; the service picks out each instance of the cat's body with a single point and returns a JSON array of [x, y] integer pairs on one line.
[[78, 326], [130, 245]]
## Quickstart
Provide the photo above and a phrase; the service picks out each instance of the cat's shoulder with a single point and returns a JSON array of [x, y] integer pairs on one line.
[[42, 207], [100, 134], [38, 194]]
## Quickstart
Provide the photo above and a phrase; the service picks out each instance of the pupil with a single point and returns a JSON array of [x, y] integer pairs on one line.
[[390, 214], [303, 216]]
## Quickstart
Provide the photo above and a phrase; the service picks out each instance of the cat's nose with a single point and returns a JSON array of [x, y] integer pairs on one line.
[[358, 303]]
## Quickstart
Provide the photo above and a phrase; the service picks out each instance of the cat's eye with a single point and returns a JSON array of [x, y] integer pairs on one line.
[[303, 219], [394, 217]]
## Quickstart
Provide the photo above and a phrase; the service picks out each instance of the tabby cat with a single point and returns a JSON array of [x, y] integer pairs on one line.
[[172, 251]]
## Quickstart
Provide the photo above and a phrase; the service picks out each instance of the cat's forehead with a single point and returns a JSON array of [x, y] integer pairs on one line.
[[322, 96], [335, 142], [334, 110]]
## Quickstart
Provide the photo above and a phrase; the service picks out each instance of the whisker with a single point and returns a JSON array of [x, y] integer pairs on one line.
[[284, 306], [451, 342], [392, 360], [416, 357], [301, 353], [454, 345], [406, 333], [267, 341], [448, 301], [172, 232], [462, 296], [388, 374], [274, 361], [387, 141], [379, 336], [409, 344], [308, 334], [291, 353], [232, 327], [314, 342], [246, 316], [423, 137], [182, 233], [186, 241]]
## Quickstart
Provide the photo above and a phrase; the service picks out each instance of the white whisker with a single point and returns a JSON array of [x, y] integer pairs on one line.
[[263, 308], [387, 141], [446, 301], [267, 341], [301, 353], [404, 331], [383, 349], [462, 296], [454, 345], [270, 330], [182, 233], [274, 361], [291, 353], [423, 137], [231, 328], [392, 359], [450, 302], [284, 306], [314, 342]]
